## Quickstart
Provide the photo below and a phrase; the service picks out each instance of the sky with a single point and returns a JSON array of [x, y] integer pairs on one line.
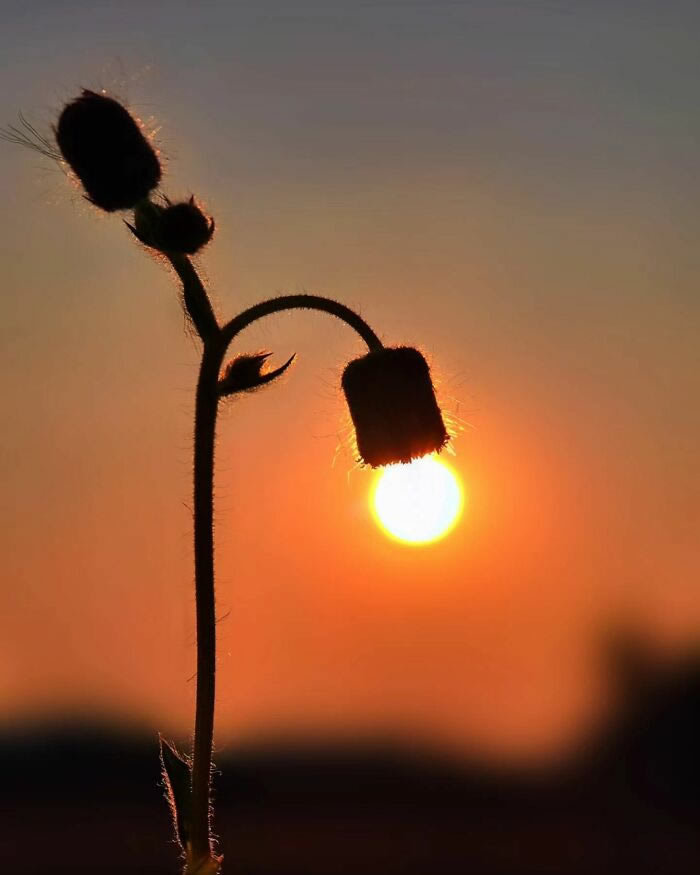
[[511, 187]]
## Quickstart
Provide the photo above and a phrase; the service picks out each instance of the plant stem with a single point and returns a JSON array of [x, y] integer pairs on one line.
[[206, 407], [216, 341], [300, 302], [194, 295]]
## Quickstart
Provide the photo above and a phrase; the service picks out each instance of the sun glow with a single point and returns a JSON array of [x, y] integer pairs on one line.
[[417, 503]]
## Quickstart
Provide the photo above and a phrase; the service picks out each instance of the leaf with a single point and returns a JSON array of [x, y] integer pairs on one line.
[[204, 866], [177, 778], [136, 234]]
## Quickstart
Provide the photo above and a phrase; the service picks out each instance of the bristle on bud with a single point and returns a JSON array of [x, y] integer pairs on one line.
[[393, 406]]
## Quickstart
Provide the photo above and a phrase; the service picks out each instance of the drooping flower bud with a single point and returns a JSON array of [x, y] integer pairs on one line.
[[393, 406], [245, 372], [107, 151]]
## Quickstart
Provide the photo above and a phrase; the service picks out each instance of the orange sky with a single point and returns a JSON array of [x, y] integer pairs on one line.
[[482, 185]]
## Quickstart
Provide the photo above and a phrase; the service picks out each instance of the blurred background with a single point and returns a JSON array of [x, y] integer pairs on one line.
[[512, 187]]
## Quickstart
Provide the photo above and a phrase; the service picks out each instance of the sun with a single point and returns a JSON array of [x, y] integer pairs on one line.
[[417, 503]]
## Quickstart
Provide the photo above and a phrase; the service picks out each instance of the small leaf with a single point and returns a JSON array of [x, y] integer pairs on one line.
[[204, 866], [136, 234], [178, 784]]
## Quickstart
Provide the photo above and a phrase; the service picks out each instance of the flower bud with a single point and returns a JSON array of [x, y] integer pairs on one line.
[[107, 151], [184, 228], [393, 407], [181, 228], [245, 372]]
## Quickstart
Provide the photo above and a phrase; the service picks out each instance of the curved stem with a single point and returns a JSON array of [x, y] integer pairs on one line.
[[300, 302]]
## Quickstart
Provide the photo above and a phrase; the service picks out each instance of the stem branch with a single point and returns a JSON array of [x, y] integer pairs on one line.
[[300, 302]]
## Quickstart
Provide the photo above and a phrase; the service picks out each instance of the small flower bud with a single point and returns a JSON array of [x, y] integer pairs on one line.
[[245, 372], [181, 228], [184, 228], [107, 151], [393, 407]]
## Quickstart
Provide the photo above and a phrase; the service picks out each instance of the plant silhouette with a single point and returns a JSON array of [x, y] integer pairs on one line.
[[389, 391]]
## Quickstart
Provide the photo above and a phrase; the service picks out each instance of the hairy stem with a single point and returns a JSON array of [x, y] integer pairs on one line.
[[194, 295], [216, 341], [300, 302], [206, 407]]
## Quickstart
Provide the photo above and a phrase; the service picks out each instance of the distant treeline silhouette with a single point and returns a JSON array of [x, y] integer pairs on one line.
[[629, 804]]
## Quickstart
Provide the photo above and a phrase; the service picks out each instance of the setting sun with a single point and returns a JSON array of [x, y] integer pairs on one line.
[[417, 503]]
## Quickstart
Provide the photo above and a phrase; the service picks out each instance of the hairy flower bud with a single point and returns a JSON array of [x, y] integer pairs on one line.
[[181, 227], [393, 407], [184, 228], [107, 151], [245, 372]]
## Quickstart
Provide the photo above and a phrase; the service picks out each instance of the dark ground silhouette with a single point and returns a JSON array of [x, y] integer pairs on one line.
[[88, 800]]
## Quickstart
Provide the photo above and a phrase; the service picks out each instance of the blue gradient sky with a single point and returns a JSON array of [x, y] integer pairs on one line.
[[511, 186]]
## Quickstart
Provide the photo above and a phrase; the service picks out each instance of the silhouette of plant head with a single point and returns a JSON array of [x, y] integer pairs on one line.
[[107, 151], [393, 407]]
